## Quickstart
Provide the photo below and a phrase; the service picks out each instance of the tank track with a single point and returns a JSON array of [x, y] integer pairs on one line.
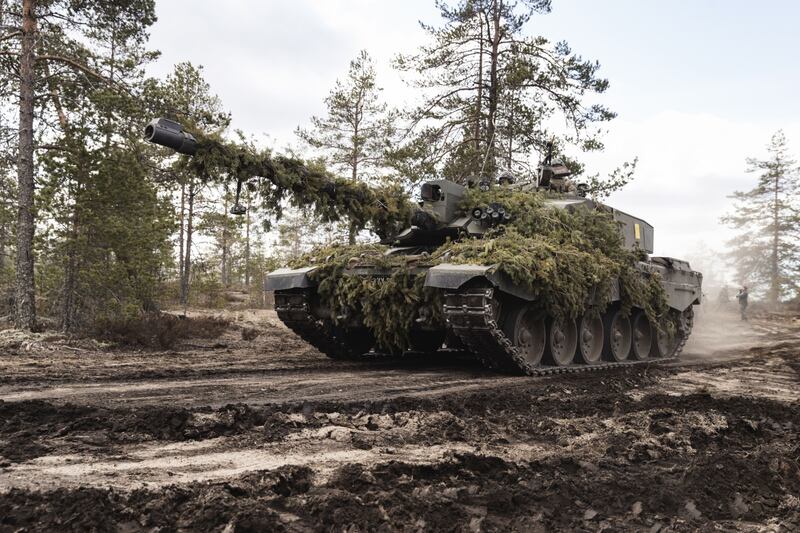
[[294, 310], [469, 314]]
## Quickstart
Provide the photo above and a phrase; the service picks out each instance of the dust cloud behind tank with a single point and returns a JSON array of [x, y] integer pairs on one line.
[[487, 313], [484, 311]]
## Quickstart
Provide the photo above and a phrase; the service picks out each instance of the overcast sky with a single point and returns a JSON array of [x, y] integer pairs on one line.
[[698, 85]]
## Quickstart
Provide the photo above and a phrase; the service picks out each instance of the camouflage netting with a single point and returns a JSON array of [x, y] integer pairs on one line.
[[383, 209], [566, 259], [387, 307]]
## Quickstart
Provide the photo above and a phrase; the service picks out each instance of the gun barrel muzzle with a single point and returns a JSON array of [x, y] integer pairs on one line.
[[166, 132]]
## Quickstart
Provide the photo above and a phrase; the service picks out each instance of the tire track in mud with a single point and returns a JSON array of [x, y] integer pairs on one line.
[[679, 446], [679, 461]]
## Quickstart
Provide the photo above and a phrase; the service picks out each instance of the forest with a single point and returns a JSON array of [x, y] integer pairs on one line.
[[96, 225]]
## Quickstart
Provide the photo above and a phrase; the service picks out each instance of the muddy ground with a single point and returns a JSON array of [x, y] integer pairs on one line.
[[228, 434]]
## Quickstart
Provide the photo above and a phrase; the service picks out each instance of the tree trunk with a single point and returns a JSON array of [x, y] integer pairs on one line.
[[25, 317], [775, 282], [352, 230], [225, 244], [510, 132], [181, 235], [247, 245], [479, 102], [187, 261], [3, 234], [69, 322], [494, 89]]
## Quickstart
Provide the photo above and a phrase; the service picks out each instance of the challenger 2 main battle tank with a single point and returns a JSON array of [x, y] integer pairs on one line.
[[502, 322], [531, 277]]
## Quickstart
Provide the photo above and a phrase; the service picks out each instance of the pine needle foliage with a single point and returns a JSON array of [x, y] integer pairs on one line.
[[280, 179]]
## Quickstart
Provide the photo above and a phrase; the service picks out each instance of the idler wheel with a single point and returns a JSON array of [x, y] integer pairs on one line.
[[590, 339], [642, 336], [618, 338], [562, 341], [527, 332]]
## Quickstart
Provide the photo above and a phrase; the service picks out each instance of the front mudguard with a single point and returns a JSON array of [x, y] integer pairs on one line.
[[452, 277], [289, 278]]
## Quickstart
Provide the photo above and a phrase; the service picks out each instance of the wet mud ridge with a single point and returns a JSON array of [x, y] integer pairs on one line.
[[267, 434]]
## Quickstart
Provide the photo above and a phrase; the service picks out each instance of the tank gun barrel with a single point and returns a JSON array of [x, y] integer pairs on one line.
[[166, 132], [280, 178]]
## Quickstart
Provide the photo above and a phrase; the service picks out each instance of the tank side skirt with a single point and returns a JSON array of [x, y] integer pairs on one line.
[[294, 310], [469, 314]]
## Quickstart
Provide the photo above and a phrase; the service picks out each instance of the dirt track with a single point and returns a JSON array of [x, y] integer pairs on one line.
[[239, 435]]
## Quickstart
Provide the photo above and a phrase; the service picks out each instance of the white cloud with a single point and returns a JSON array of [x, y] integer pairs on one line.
[[688, 165]]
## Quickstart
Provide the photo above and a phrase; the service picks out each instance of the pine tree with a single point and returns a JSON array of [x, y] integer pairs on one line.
[[357, 130], [52, 43], [110, 222], [187, 98], [7, 228], [494, 91], [299, 233], [766, 253], [225, 231]]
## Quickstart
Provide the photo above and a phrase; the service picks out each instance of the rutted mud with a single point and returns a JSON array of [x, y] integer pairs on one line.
[[266, 434]]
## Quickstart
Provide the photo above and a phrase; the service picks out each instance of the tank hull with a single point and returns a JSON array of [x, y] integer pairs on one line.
[[486, 314]]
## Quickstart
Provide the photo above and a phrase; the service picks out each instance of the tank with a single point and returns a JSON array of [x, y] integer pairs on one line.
[[480, 308], [489, 315]]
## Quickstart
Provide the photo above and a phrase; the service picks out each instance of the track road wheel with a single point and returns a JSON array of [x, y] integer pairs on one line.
[[562, 342], [526, 330], [666, 338], [590, 340], [642, 336], [617, 345]]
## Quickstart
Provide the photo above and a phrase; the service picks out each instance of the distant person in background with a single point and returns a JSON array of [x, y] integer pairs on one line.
[[742, 297]]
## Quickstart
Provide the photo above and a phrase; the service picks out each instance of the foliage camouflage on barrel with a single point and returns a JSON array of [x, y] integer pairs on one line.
[[304, 184]]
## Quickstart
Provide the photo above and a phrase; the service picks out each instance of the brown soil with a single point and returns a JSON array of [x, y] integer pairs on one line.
[[254, 431]]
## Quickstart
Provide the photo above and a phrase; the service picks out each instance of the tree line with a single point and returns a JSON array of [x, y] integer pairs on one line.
[[765, 253], [95, 223]]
